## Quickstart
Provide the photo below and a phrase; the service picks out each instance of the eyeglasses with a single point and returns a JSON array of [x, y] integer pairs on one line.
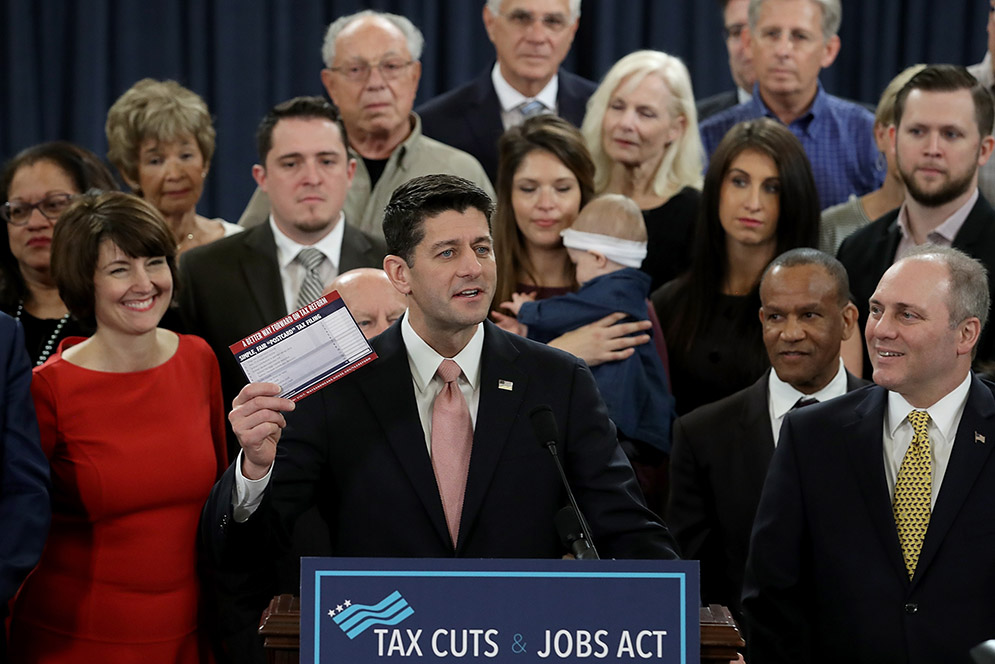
[[390, 69], [17, 213], [523, 20]]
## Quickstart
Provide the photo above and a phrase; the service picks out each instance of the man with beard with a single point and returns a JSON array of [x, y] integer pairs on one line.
[[942, 135]]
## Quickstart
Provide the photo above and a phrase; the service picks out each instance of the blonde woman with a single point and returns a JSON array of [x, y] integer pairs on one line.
[[641, 128]]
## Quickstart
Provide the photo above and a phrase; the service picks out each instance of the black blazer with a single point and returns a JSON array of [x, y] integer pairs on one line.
[[469, 117], [825, 579], [718, 463], [357, 450], [868, 253], [716, 103], [232, 288]]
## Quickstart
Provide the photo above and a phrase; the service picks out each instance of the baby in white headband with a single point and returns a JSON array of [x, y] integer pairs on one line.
[[607, 244]]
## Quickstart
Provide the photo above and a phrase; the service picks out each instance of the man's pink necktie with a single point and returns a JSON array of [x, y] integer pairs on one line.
[[452, 437]]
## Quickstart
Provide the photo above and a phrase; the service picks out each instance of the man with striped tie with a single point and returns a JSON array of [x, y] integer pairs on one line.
[[874, 539], [234, 287]]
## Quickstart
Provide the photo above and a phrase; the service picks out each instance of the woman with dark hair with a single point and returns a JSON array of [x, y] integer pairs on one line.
[[37, 185], [545, 176], [132, 423], [758, 201]]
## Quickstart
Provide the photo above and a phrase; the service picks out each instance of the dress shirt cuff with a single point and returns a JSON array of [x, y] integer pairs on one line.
[[247, 493]]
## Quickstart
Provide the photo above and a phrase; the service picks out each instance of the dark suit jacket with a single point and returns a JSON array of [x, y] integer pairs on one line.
[[25, 511], [717, 468], [868, 253], [357, 450], [232, 288], [825, 579], [469, 117], [717, 103]]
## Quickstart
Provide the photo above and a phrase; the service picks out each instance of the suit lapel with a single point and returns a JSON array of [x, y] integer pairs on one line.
[[387, 385], [758, 444], [484, 121], [355, 246], [261, 272], [497, 411], [862, 438], [967, 459]]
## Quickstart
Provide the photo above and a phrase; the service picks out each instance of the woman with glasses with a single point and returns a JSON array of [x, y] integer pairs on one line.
[[161, 140], [36, 186]]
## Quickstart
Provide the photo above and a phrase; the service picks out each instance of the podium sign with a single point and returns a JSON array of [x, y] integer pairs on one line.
[[361, 610]]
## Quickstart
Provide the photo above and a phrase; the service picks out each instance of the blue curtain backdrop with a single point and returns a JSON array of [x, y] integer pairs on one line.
[[65, 61]]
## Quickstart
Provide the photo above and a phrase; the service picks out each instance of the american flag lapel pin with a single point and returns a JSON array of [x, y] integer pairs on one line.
[[978, 438], [505, 385]]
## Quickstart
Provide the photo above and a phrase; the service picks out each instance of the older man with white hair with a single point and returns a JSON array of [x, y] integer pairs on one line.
[[531, 39], [371, 73]]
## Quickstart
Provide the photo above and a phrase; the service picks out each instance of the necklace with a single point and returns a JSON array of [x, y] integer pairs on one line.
[[50, 344], [189, 236]]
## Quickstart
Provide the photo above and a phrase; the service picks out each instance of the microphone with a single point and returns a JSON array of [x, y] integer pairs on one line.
[[572, 536], [546, 432]]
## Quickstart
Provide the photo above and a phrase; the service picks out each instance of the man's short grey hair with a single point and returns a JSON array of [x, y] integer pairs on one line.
[[832, 16], [802, 256], [414, 37], [969, 295], [495, 7]]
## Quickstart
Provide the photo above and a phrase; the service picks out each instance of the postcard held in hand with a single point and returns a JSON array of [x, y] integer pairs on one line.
[[305, 350]]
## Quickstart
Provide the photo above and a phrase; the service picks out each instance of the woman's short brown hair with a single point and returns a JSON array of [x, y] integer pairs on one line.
[[128, 221], [163, 110]]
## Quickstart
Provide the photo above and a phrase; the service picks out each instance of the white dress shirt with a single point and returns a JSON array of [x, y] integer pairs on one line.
[[511, 99], [782, 397], [944, 418], [292, 272], [424, 362]]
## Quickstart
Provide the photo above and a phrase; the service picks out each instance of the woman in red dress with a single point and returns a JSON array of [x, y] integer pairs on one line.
[[131, 420]]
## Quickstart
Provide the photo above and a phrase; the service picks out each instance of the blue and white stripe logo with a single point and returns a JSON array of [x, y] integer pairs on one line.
[[357, 618]]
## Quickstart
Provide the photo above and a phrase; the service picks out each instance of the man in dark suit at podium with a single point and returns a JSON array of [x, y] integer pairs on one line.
[[721, 451], [531, 38], [874, 540], [406, 458]]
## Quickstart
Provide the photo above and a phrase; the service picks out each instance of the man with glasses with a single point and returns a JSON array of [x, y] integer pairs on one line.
[[531, 38], [735, 28], [371, 72]]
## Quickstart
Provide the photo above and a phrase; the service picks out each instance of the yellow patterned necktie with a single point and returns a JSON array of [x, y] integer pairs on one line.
[[913, 489]]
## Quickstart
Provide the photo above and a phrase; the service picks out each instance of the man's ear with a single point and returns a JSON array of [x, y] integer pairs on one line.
[[850, 316], [397, 271], [259, 175]]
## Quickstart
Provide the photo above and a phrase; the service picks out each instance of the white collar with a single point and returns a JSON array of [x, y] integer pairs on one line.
[[330, 244], [945, 413], [510, 98], [424, 361], [783, 396]]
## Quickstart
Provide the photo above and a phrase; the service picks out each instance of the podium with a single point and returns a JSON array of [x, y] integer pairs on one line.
[[280, 627]]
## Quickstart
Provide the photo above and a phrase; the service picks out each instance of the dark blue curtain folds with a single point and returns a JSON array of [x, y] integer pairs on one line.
[[65, 61]]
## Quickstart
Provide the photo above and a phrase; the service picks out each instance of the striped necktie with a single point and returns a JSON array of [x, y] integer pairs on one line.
[[311, 286], [913, 490]]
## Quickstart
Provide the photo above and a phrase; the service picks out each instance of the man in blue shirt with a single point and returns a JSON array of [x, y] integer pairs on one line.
[[791, 42]]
